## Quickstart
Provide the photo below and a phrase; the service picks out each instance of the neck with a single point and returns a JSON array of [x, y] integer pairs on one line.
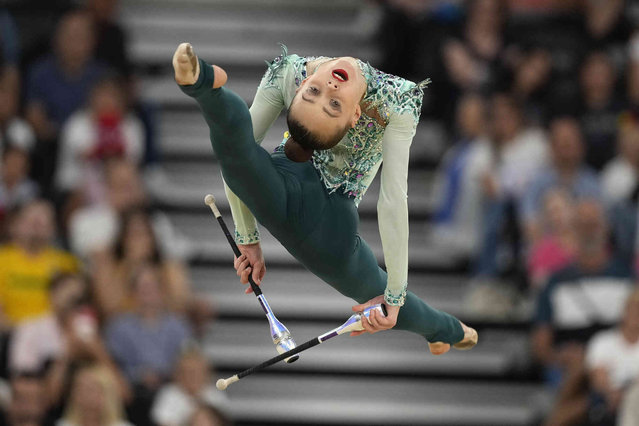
[[149, 314], [295, 152], [30, 247]]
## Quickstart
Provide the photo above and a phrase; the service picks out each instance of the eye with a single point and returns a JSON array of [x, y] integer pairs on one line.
[[313, 90], [335, 104]]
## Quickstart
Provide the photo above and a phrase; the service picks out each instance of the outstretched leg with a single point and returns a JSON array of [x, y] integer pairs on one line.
[[247, 168]]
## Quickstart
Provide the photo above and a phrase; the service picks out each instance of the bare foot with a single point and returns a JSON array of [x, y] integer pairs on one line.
[[470, 339], [187, 67]]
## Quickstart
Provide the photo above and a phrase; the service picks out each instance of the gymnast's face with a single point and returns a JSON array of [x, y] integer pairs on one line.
[[329, 100]]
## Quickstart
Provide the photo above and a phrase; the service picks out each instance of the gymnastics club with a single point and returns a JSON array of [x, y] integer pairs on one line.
[[354, 323], [279, 333]]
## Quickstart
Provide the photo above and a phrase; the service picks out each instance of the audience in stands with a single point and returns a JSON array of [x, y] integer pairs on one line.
[[577, 301], [519, 153], [137, 245], [612, 360], [565, 171], [458, 193], [147, 342], [102, 131], [619, 178], [178, 401], [599, 108], [554, 248], [531, 84], [14, 130], [54, 343], [500, 182], [94, 399], [94, 228], [629, 411], [27, 405], [59, 84], [206, 415], [16, 188], [29, 262]]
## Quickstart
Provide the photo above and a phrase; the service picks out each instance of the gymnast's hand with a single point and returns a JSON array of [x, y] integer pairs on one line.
[[377, 321], [251, 262]]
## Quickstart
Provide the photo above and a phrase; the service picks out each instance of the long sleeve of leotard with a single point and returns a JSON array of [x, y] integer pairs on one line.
[[392, 205]]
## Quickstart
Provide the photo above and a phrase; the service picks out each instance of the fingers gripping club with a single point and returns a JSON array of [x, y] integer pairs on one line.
[[354, 323], [279, 333]]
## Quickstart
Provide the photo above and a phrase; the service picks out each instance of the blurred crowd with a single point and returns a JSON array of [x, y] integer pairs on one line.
[[539, 187], [98, 323]]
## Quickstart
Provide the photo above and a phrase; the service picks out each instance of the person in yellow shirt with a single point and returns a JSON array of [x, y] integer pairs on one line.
[[29, 261]]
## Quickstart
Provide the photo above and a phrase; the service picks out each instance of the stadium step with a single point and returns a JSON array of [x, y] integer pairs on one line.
[[234, 345], [338, 400], [209, 245]]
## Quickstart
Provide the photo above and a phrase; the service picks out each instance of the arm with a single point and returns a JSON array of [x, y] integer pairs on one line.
[[392, 215], [392, 206]]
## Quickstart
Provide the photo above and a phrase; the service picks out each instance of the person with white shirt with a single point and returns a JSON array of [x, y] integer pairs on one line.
[[612, 358]]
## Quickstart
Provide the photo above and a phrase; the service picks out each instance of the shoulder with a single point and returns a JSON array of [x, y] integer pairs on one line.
[[42, 66], [282, 63], [395, 97]]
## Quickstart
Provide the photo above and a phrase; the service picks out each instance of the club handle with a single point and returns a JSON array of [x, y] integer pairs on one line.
[[274, 360], [256, 289]]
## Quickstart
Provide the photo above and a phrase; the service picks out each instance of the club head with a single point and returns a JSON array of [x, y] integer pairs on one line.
[[286, 344]]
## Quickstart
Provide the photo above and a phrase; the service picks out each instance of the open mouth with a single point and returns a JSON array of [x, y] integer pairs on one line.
[[340, 75]]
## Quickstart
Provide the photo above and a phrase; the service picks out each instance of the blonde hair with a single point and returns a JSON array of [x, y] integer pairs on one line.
[[113, 412]]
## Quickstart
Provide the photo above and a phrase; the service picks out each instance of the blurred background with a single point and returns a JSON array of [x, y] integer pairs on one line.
[[119, 302]]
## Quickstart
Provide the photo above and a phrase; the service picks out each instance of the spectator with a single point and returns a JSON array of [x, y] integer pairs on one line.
[[14, 131], [28, 263], [457, 218], [606, 27], [473, 59], [103, 130], [576, 302], [555, 249], [599, 109], [28, 404], [146, 342], [629, 412], [95, 399], [59, 84], [137, 245], [519, 153], [531, 84], [111, 48], [619, 177], [55, 342], [16, 188], [109, 35], [566, 171], [612, 359], [209, 416], [177, 402], [94, 228]]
